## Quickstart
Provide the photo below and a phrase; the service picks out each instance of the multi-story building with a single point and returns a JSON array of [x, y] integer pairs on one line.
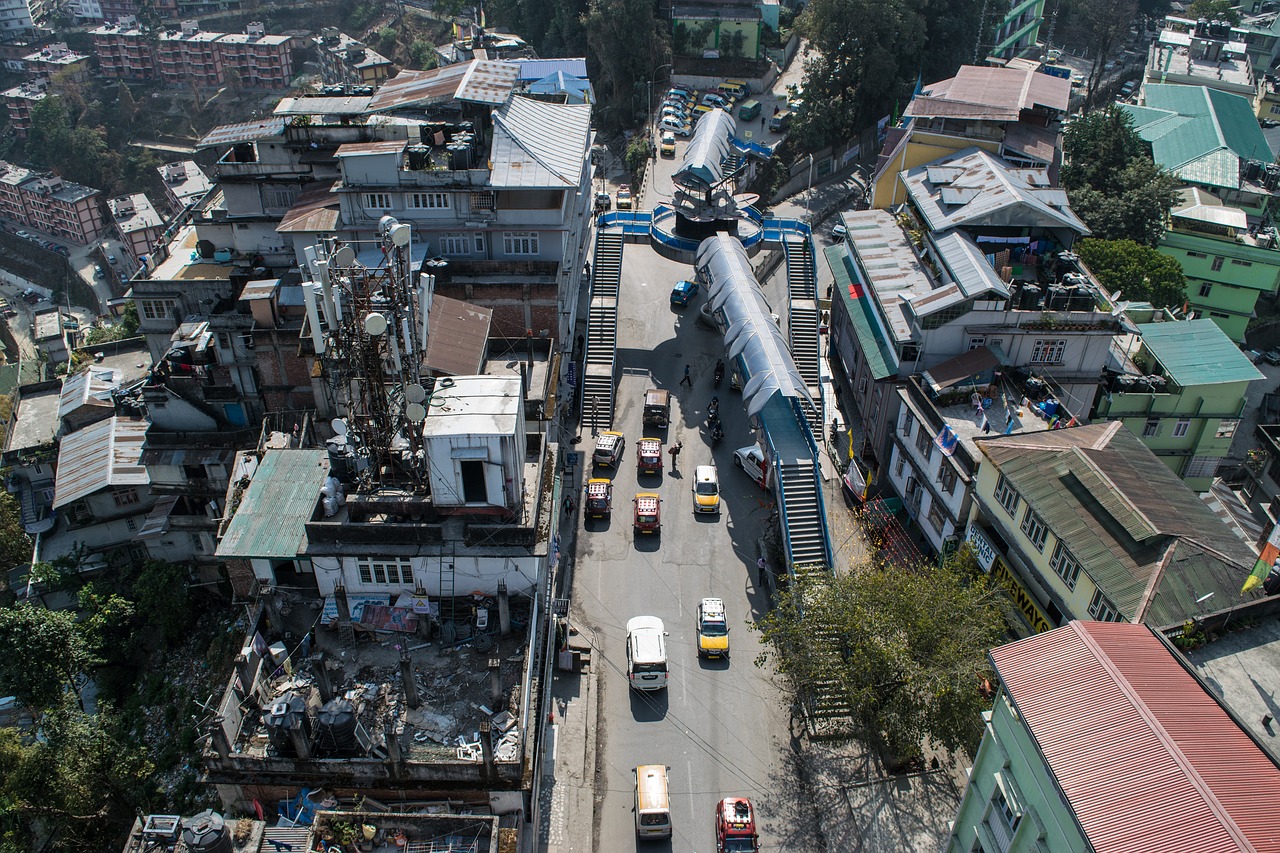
[[347, 62], [185, 184], [47, 203], [1017, 31], [1220, 232], [258, 60], [1014, 113], [57, 60], [1181, 387], [1096, 728], [1087, 523], [1261, 35], [19, 100], [913, 292], [185, 56], [122, 10], [1202, 53], [137, 225], [15, 18], [85, 10]]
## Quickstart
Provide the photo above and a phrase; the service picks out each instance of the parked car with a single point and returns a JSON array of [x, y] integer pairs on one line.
[[604, 201], [624, 197], [679, 128], [25, 235], [683, 293], [839, 232], [1272, 356], [668, 146]]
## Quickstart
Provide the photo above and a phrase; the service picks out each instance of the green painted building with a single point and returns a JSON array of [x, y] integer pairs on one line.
[[1101, 738], [1181, 390], [1018, 30], [1212, 141], [723, 32]]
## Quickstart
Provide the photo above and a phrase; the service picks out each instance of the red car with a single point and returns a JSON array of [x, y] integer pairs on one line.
[[736, 826]]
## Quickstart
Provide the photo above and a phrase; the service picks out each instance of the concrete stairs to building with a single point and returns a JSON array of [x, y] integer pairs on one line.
[[803, 320], [802, 508], [602, 333]]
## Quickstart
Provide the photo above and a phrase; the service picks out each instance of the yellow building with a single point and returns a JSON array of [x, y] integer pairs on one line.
[[1014, 113], [1087, 523]]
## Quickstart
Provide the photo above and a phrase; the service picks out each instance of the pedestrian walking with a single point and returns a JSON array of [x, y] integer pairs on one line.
[[569, 505], [675, 453], [686, 381], [577, 346]]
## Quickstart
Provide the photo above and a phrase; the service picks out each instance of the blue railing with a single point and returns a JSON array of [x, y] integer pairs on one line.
[[764, 152], [817, 475], [631, 221]]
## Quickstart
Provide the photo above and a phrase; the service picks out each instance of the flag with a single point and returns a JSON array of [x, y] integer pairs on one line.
[[947, 441], [1250, 583], [482, 23], [455, 30]]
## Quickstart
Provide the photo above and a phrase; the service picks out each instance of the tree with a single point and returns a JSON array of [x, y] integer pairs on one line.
[[423, 55], [15, 544], [1215, 10], [628, 42], [44, 655], [1105, 25], [1138, 272], [912, 652], [1097, 147]]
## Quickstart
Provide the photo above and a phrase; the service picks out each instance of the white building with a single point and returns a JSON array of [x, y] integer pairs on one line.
[[15, 18]]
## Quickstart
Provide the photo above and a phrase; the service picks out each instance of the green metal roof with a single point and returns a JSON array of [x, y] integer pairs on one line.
[[857, 303], [1199, 133], [1144, 538], [1197, 352], [270, 521]]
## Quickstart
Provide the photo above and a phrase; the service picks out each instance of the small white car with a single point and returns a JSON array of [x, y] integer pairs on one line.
[[679, 128]]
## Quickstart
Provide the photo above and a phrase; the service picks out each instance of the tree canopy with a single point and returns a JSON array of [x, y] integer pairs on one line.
[[1215, 10], [1138, 272], [913, 649], [1113, 184], [15, 544], [44, 655], [630, 44]]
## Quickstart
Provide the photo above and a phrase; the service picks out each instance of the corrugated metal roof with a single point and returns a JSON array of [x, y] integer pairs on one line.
[[996, 196], [537, 69], [364, 149], [245, 131], [91, 387], [1197, 352], [1144, 756], [488, 81], [317, 209], [537, 144], [457, 336], [1124, 516], [102, 455], [857, 304], [888, 265], [411, 88], [323, 106], [991, 92], [270, 521], [701, 167]]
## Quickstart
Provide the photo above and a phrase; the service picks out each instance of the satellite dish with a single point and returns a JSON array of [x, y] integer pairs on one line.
[[400, 235], [415, 393], [339, 426], [415, 411], [344, 257], [375, 325]]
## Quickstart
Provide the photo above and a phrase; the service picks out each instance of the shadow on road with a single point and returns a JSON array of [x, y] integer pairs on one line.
[[648, 706]]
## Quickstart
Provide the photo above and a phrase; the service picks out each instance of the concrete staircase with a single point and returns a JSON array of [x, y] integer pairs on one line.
[[602, 333], [802, 325]]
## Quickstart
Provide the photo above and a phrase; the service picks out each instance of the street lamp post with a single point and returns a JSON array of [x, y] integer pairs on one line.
[[808, 196], [653, 77]]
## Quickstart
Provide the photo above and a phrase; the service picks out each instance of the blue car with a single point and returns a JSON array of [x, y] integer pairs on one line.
[[683, 293]]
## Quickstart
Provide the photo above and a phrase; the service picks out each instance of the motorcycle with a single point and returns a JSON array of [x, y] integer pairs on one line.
[[716, 434], [713, 409], [713, 422], [718, 376]]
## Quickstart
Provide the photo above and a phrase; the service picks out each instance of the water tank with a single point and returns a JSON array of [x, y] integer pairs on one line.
[[1253, 170], [207, 832], [1272, 178], [341, 457], [418, 156], [282, 716], [459, 157], [1029, 298], [336, 727]]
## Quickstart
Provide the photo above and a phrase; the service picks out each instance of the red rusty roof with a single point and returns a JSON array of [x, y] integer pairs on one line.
[[1144, 755]]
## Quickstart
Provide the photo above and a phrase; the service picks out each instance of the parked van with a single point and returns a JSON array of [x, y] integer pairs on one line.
[[1127, 89], [653, 802], [738, 88], [781, 121], [646, 653], [749, 111]]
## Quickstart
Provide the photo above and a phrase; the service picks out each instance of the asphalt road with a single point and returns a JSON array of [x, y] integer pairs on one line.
[[722, 727]]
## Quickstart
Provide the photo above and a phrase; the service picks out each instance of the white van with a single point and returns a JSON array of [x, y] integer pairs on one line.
[[646, 653], [653, 802]]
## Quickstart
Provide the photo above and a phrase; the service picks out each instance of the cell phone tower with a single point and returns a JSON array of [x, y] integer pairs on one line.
[[368, 324]]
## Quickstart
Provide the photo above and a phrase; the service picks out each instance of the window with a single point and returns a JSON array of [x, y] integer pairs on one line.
[[429, 201], [1226, 428], [947, 477], [908, 424], [1206, 289], [131, 524], [1181, 428], [910, 352], [974, 343], [1218, 314], [1006, 495], [1242, 263], [520, 242], [1048, 351], [1002, 820], [1151, 428], [479, 238], [392, 571], [453, 244], [936, 518], [1217, 263], [1065, 565], [1196, 255], [1275, 109], [482, 201], [1103, 610], [898, 463], [1033, 526], [924, 444], [1202, 466], [125, 496], [280, 196], [156, 309], [376, 201]]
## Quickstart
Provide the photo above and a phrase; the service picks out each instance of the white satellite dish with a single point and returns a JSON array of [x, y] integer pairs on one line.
[[344, 257], [339, 426], [400, 235], [415, 411], [375, 325], [415, 393]]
